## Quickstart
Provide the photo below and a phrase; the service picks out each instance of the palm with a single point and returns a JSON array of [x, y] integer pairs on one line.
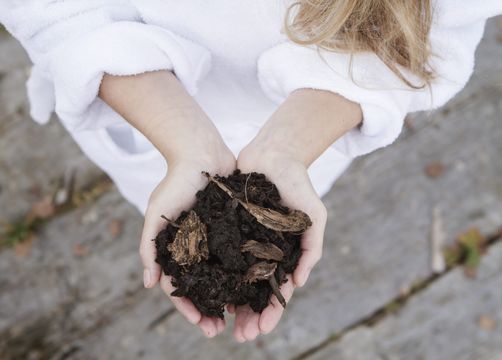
[[293, 183], [175, 193]]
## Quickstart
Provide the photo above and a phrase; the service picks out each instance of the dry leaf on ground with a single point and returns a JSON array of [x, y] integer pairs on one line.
[[434, 170], [23, 248], [80, 250], [43, 209], [486, 323], [115, 227]]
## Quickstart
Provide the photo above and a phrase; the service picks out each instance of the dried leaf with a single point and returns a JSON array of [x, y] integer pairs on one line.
[[267, 251], [434, 170], [190, 243], [260, 271], [470, 272], [486, 323], [23, 248], [80, 250], [295, 221], [35, 190], [265, 271], [43, 209], [115, 227]]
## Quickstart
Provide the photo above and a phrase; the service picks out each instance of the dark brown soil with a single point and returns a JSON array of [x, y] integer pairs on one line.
[[234, 246]]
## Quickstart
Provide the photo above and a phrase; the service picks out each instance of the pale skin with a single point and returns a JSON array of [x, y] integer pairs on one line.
[[296, 134]]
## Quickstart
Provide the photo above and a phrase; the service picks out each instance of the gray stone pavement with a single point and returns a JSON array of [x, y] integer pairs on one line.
[[77, 293], [455, 318]]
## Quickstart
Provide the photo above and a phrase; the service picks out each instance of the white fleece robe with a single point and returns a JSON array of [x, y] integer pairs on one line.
[[232, 58]]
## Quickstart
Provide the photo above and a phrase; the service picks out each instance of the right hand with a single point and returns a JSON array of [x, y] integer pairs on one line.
[[158, 106], [175, 193]]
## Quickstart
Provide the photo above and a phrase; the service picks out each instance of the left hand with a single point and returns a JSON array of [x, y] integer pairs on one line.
[[291, 178]]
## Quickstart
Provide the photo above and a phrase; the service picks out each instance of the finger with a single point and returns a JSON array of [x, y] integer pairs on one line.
[[184, 305], [310, 256], [306, 198], [214, 324], [175, 200], [208, 326], [272, 314], [147, 250], [240, 316], [220, 325], [246, 323], [311, 243], [251, 327]]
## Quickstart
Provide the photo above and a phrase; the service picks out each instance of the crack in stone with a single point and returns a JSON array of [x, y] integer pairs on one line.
[[85, 196], [392, 306]]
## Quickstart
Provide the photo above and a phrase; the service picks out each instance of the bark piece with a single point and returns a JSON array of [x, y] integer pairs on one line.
[[190, 243], [265, 271], [295, 221], [266, 251], [220, 279], [260, 271]]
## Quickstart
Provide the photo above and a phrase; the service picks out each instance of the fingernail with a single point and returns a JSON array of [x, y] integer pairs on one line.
[[147, 278]]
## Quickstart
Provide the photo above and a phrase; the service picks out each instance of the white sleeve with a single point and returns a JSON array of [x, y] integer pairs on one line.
[[384, 98], [72, 43]]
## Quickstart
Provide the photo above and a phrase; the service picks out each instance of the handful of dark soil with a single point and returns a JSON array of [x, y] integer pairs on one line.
[[235, 246]]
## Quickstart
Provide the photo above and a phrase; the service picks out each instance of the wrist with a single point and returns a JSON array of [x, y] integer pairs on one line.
[[267, 158], [209, 154], [273, 145], [305, 125], [185, 133]]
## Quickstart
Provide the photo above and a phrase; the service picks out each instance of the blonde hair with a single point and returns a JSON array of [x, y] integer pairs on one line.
[[397, 31]]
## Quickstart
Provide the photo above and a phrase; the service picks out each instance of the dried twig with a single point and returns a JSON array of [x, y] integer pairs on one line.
[[276, 291], [246, 188], [66, 188], [260, 271], [265, 271], [295, 221], [438, 263], [169, 221]]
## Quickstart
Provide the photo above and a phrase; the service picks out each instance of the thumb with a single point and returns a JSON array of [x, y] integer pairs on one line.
[[151, 270]]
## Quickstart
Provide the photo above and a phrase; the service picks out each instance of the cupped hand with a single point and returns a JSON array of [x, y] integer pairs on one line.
[[175, 193], [292, 180]]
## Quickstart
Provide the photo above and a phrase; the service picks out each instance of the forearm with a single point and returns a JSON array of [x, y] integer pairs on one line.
[[307, 123], [157, 104]]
